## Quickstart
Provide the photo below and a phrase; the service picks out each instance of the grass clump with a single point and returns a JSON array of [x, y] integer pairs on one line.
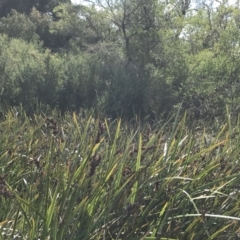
[[80, 177]]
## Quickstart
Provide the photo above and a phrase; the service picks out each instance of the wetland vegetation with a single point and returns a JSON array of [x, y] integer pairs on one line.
[[119, 120]]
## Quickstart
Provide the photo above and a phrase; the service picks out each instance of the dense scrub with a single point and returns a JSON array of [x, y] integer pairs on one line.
[[121, 57], [81, 177]]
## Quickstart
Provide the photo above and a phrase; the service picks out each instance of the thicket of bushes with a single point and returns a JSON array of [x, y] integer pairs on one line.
[[125, 58]]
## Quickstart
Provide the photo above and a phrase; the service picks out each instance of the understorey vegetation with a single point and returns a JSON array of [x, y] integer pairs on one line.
[[80, 176]]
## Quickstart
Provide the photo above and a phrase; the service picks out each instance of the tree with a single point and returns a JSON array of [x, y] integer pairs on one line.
[[213, 79], [25, 6]]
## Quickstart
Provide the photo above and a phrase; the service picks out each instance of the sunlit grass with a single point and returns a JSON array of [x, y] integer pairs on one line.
[[81, 177]]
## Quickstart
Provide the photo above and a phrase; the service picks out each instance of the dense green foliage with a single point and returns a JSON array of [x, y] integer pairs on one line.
[[69, 172], [121, 57], [78, 177]]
